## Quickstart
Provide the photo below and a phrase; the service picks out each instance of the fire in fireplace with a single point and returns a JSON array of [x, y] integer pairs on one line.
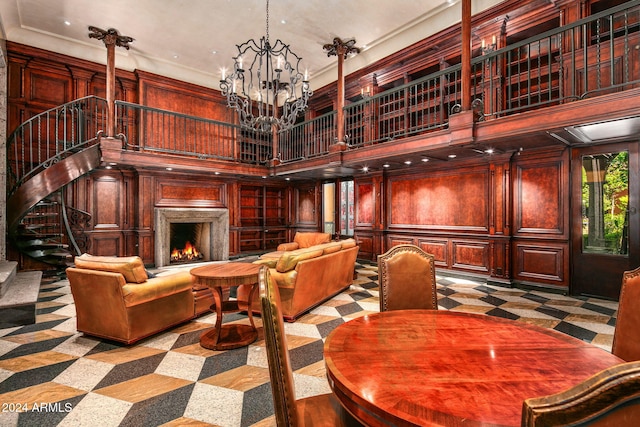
[[186, 236], [188, 254]]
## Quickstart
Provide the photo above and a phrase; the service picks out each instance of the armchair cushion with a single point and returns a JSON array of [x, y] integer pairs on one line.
[[308, 239], [132, 268]]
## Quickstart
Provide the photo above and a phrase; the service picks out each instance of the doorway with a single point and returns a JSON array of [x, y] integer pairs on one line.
[[604, 242]]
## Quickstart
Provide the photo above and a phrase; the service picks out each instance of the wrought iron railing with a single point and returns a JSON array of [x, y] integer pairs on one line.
[[52, 135], [156, 130], [309, 139]]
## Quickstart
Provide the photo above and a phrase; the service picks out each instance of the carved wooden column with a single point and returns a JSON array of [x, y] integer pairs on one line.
[[111, 39], [466, 55], [341, 49]]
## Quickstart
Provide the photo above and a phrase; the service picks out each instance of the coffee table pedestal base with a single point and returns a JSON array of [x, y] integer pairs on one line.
[[230, 337]]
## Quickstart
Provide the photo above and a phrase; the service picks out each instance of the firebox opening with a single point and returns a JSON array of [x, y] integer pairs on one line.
[[187, 242]]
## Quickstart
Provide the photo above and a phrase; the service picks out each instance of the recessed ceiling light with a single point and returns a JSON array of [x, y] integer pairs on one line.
[[284, 21], [216, 173], [169, 169], [365, 169], [287, 179], [176, 56], [67, 23], [407, 162], [386, 165], [264, 177], [452, 156], [489, 151], [214, 52], [425, 160]]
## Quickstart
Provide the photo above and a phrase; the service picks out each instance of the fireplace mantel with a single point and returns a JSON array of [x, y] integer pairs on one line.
[[218, 220]]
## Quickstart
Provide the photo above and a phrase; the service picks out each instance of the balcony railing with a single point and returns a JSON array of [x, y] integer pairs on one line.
[[594, 56]]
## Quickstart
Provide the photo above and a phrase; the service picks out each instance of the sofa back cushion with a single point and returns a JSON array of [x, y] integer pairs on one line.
[[289, 260], [348, 243], [131, 268], [308, 239]]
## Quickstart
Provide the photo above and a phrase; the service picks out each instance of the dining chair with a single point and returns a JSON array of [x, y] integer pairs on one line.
[[610, 398], [321, 410], [626, 336], [407, 278]]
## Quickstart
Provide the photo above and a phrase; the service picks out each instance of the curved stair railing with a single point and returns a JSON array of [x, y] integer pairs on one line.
[[44, 154]]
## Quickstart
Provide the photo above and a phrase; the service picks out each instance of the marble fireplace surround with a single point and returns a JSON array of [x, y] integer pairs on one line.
[[216, 223]]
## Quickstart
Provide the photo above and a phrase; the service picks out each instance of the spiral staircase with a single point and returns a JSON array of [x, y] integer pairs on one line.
[[44, 155]]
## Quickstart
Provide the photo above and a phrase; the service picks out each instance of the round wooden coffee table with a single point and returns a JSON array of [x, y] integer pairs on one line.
[[221, 277]]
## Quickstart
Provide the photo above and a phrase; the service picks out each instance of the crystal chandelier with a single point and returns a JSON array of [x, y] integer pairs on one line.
[[266, 86]]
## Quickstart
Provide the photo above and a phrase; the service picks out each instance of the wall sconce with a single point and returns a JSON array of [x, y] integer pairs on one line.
[[490, 47], [365, 92]]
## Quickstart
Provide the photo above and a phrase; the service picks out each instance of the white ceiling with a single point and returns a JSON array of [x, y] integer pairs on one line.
[[178, 38]]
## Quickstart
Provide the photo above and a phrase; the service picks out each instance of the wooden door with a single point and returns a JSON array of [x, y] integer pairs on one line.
[[604, 217]]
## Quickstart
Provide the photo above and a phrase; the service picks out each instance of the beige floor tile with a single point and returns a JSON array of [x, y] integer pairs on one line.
[[142, 388], [35, 360], [242, 378], [49, 392], [37, 336]]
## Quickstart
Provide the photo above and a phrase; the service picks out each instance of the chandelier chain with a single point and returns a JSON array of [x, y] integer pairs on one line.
[[267, 36]]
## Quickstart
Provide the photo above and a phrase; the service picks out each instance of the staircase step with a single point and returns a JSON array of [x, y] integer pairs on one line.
[[38, 215], [18, 304], [41, 244]]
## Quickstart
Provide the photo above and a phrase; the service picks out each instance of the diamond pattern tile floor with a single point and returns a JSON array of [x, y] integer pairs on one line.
[[65, 378]]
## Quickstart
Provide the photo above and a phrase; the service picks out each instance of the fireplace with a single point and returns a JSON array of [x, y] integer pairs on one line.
[[212, 226]]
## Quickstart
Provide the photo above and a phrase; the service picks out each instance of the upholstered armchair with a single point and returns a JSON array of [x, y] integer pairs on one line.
[[115, 298], [626, 337]]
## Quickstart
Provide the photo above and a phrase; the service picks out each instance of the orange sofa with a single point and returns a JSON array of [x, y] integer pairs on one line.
[[115, 298], [308, 276]]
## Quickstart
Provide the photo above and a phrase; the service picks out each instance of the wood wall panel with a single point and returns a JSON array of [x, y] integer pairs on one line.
[[47, 88], [470, 255], [106, 202], [540, 197], [307, 206], [107, 244], [365, 241], [444, 200], [542, 262], [173, 95], [365, 204], [439, 248], [178, 193]]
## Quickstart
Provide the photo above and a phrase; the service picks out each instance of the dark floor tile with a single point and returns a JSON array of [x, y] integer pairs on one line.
[[34, 347], [498, 312], [360, 295], [187, 338], [575, 331], [52, 416], [33, 376], [160, 409], [495, 301], [130, 370], [448, 303], [257, 405], [37, 327], [326, 327], [224, 362], [599, 309], [552, 311], [347, 309], [306, 355], [536, 298]]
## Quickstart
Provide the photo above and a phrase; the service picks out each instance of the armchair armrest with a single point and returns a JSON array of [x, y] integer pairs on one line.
[[156, 287]]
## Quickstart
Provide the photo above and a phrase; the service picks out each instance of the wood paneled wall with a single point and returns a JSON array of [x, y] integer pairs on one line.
[[506, 217]]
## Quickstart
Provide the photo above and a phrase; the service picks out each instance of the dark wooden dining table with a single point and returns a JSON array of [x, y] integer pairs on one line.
[[438, 367]]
